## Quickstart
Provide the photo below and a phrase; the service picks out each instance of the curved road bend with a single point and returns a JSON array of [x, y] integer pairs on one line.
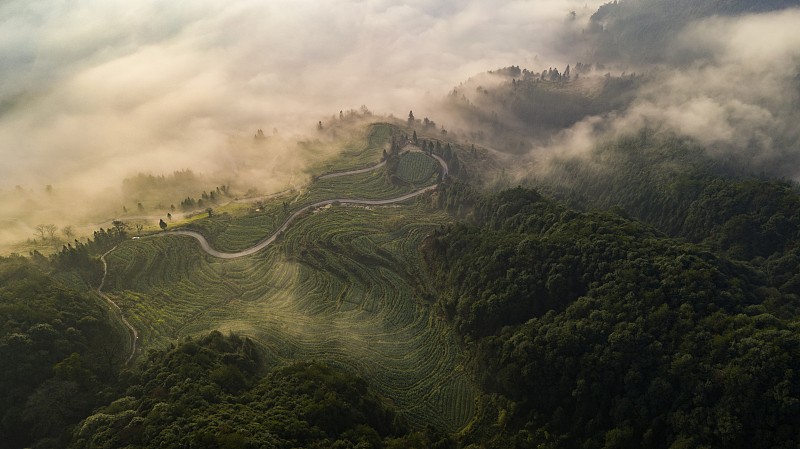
[[205, 246]]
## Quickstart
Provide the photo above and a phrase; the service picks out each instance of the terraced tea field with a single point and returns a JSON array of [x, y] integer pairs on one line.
[[229, 233], [370, 185], [342, 284], [362, 150], [416, 168]]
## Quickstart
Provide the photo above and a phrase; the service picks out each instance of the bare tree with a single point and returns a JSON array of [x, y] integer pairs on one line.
[[139, 227], [51, 230], [46, 231], [40, 229], [68, 232]]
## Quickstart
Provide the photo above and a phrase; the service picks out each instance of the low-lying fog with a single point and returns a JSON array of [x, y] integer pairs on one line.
[[94, 91]]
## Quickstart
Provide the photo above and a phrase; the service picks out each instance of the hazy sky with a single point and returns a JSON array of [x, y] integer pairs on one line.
[[92, 90]]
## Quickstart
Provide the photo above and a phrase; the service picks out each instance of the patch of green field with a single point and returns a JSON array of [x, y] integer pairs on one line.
[[373, 185], [417, 168], [343, 285], [359, 150], [234, 232]]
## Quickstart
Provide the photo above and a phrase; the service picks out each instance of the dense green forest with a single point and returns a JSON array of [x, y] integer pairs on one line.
[[595, 330], [671, 183]]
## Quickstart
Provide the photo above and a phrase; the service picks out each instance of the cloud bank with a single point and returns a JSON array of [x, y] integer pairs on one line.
[[740, 95], [732, 84], [94, 90]]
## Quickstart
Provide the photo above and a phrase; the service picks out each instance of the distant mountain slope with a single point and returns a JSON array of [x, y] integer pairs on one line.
[[511, 107], [672, 184], [639, 31]]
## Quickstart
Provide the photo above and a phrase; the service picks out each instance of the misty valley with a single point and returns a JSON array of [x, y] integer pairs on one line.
[[552, 225]]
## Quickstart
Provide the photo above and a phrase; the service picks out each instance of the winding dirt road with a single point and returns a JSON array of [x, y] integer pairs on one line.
[[270, 239], [132, 330], [205, 246]]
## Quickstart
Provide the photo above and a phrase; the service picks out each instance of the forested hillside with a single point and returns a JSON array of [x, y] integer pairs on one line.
[[216, 392], [673, 185], [60, 351], [512, 107], [600, 331], [640, 31]]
